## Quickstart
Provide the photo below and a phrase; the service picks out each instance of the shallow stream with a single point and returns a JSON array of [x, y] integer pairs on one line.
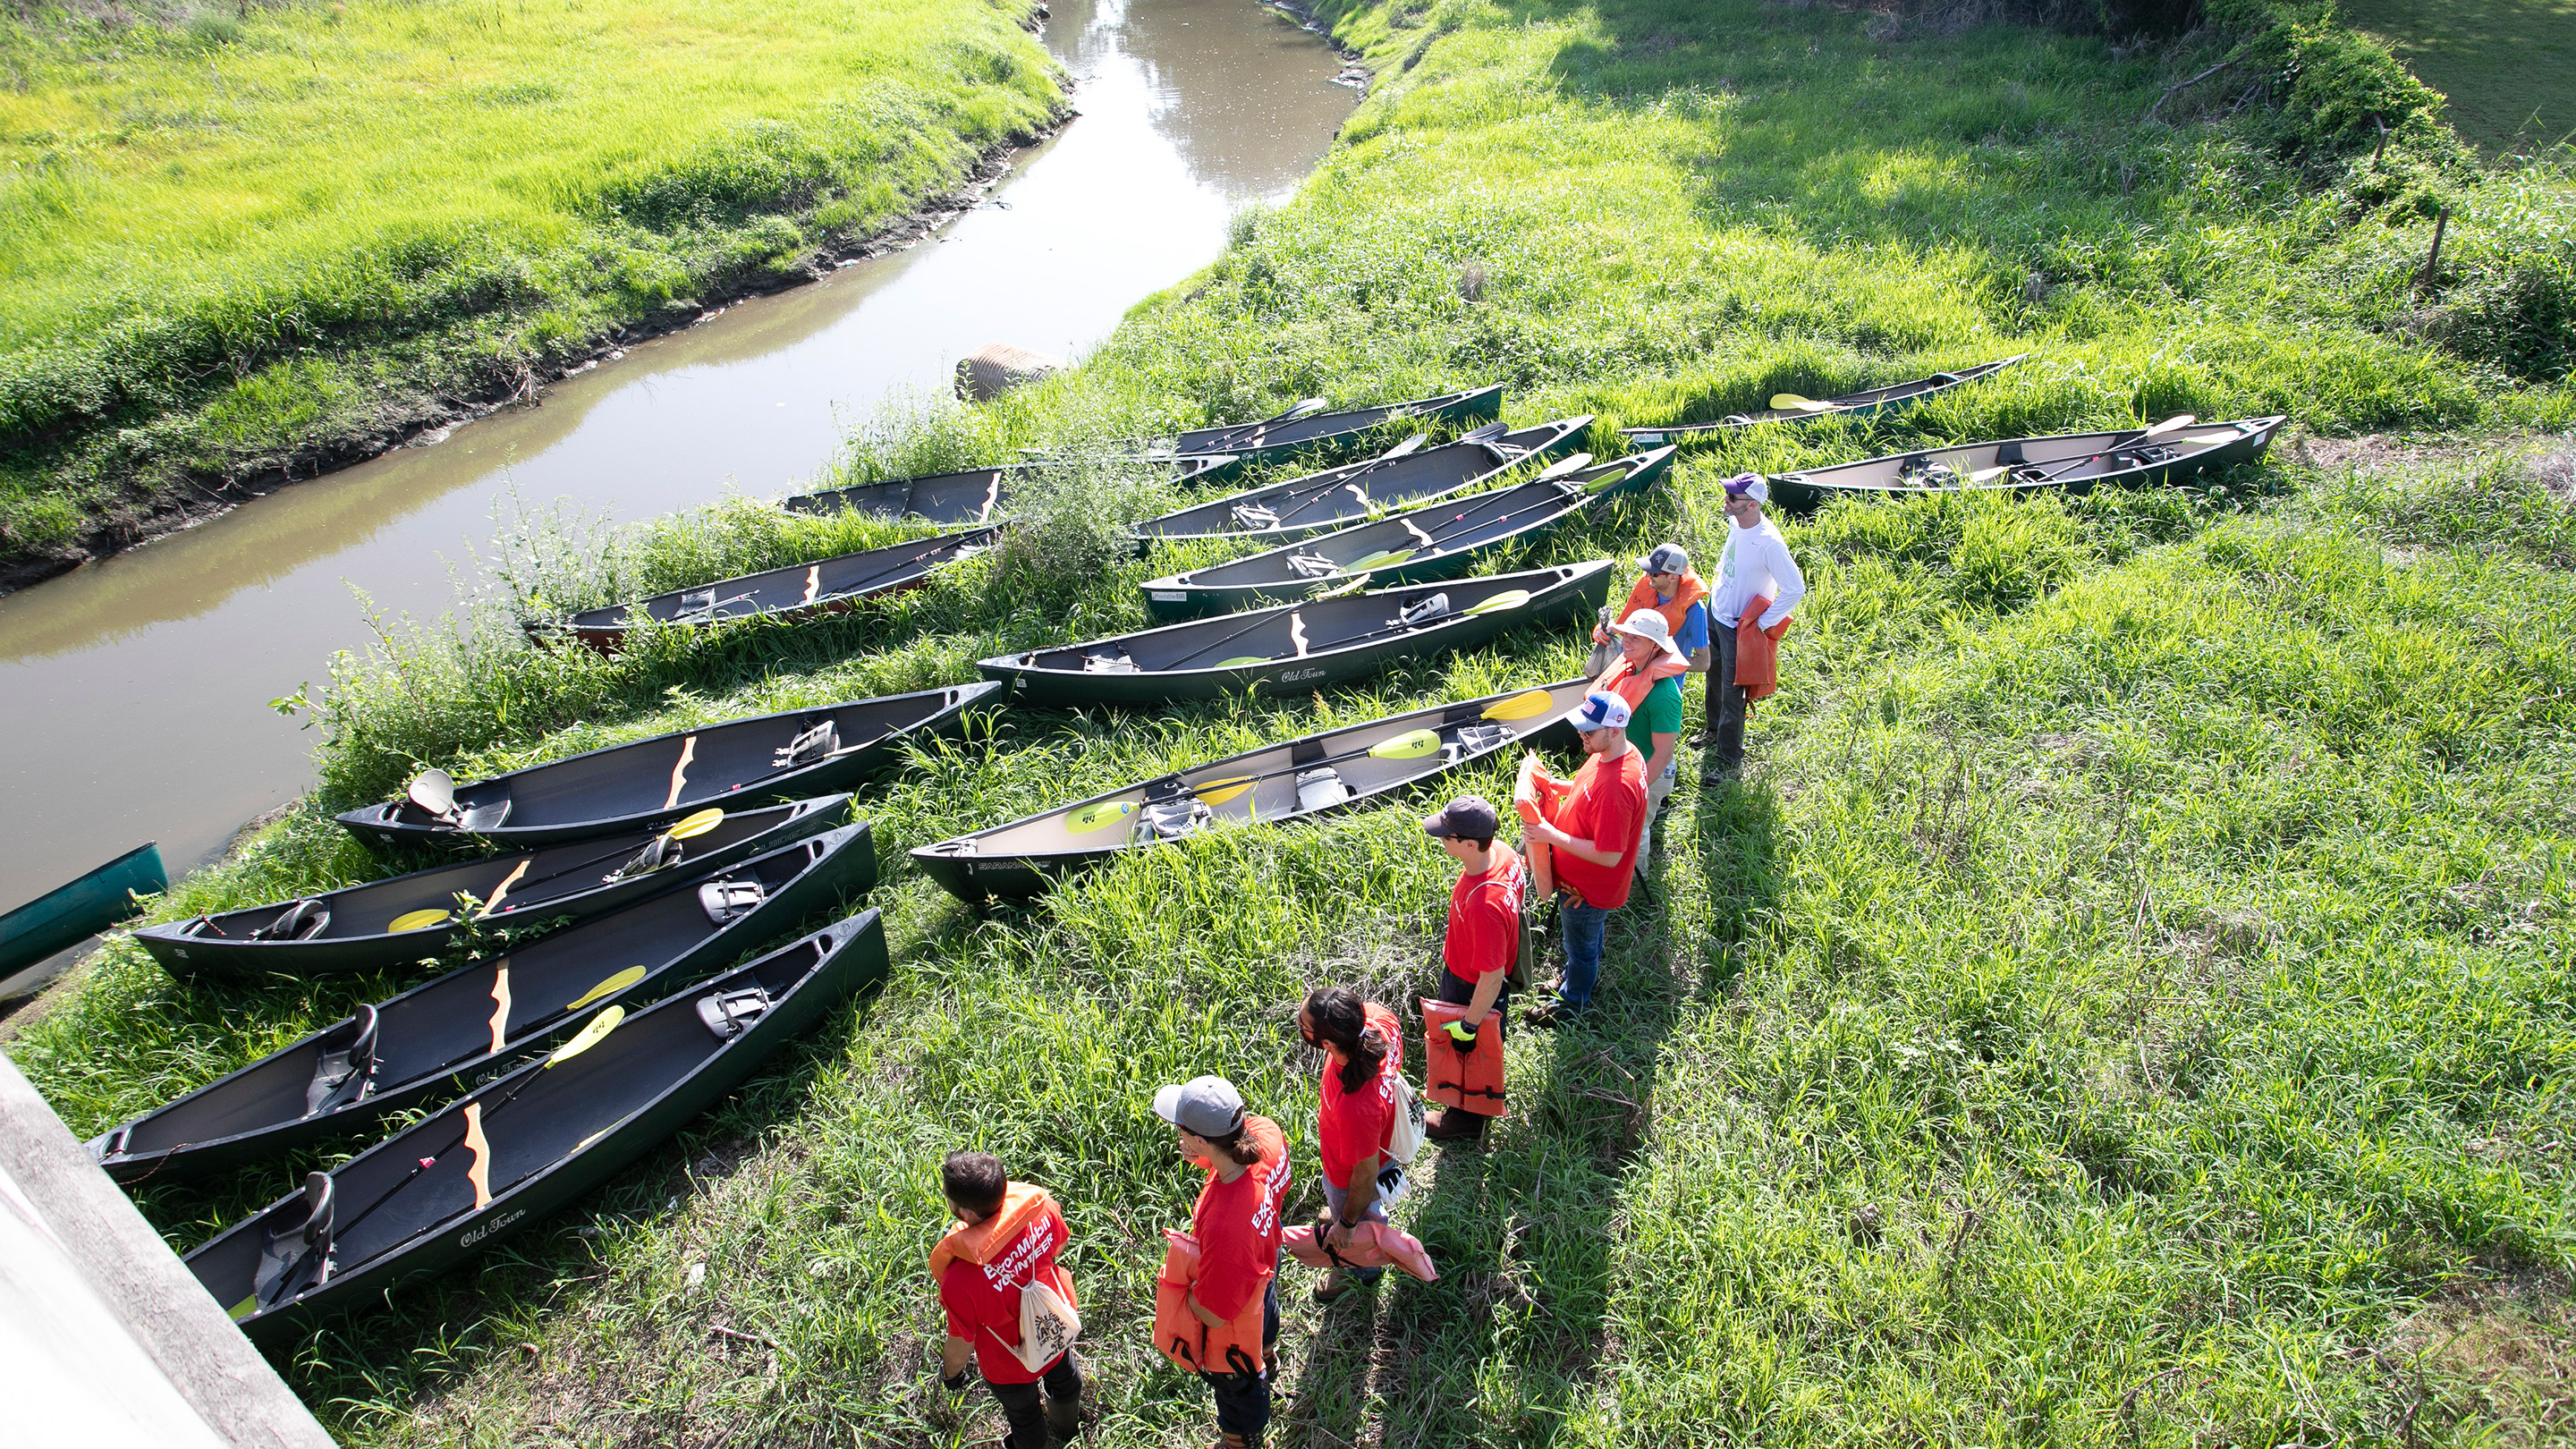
[[134, 692]]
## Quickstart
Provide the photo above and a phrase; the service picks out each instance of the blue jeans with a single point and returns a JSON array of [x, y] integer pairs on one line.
[[1335, 1197], [1585, 925]]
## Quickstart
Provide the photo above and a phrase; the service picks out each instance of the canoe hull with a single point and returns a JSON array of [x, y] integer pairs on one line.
[[834, 867], [852, 955], [924, 714], [1183, 597], [973, 496], [966, 868], [182, 949], [1868, 477], [814, 589], [72, 913], [1555, 594], [1883, 401]]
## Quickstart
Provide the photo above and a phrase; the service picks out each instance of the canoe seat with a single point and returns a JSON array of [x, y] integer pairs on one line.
[[658, 852], [301, 921], [485, 817], [1321, 788], [296, 1255], [1474, 740], [1421, 611], [808, 746], [1255, 517], [730, 900], [1109, 661], [730, 1013], [1313, 565], [1172, 819], [347, 1066]]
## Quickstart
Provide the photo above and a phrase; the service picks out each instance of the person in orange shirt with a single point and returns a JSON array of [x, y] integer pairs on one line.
[[1233, 1299], [1583, 838], [1006, 1236]]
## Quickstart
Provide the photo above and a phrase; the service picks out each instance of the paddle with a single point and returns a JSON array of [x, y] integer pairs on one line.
[[1507, 599], [1411, 745], [688, 828], [590, 1036], [1791, 402], [2174, 424]]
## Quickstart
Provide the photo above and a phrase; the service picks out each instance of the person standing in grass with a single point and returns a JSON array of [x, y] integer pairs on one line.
[[1222, 1318], [1649, 677], [1758, 585], [1363, 1047], [1582, 839], [1667, 586], [1006, 1237], [1463, 1060]]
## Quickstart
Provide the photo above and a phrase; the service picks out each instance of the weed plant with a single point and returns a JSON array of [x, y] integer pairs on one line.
[[2124, 1003]]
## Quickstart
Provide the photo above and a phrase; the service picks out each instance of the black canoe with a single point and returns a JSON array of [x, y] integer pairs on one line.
[[1436, 541], [647, 784], [2172, 452], [398, 1053], [1895, 397], [524, 1145], [409, 918], [1304, 646], [975, 496], [799, 591], [1338, 497], [1307, 429], [1316, 775]]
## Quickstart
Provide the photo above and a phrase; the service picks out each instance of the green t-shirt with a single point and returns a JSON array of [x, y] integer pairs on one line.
[[1661, 714]]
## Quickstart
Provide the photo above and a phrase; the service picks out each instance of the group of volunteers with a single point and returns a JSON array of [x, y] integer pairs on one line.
[[1011, 1308]]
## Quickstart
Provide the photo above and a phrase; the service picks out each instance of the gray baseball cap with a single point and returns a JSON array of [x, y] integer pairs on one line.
[[1208, 1106]]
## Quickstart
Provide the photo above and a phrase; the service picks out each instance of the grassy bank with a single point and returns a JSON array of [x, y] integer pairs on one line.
[[2125, 1003], [240, 244]]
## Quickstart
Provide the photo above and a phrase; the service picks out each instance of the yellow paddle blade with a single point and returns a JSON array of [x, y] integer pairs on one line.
[[696, 825], [1528, 704], [1240, 660], [1410, 745], [1217, 792], [244, 1308], [613, 984], [1507, 599], [418, 920], [2205, 439], [1092, 817], [2174, 424], [1382, 559], [1786, 401], [591, 1035]]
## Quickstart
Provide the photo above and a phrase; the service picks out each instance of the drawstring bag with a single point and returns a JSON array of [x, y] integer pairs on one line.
[[1404, 1140], [1048, 1326]]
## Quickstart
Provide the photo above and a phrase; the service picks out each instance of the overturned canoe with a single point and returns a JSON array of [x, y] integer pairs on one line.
[[1336, 770], [646, 784], [524, 1145], [799, 591], [71, 913], [974, 496], [395, 1054], [414, 917], [1436, 541], [1302, 646], [1338, 497], [2172, 451], [1894, 397], [1309, 429]]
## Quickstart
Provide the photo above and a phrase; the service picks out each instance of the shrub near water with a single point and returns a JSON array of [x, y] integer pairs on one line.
[[2123, 1005], [245, 241]]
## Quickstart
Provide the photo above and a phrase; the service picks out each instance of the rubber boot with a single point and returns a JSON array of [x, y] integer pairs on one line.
[[1064, 1419], [1455, 1124]]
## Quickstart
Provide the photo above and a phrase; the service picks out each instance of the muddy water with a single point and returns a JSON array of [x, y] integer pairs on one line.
[[134, 693]]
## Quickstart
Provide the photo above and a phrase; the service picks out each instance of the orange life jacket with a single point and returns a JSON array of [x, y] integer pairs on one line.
[[1757, 652], [1022, 1205], [1234, 1348], [1472, 1080], [1643, 596], [1630, 683]]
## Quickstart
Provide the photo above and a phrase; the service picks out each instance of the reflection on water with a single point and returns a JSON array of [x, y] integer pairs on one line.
[[134, 692]]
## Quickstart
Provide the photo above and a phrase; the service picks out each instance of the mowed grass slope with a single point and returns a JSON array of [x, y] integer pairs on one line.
[[230, 242], [2125, 1003]]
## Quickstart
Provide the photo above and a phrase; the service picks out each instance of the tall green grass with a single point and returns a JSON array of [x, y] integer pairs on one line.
[[2125, 1002], [252, 239]]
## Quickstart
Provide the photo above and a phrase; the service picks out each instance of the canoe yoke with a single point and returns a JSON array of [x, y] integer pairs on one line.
[[731, 1013], [345, 1070], [296, 1255]]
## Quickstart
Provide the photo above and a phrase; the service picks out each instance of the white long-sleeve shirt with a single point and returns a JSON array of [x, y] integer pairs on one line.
[[1755, 564]]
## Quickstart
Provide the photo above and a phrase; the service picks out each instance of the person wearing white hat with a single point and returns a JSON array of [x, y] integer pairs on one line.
[[1648, 675], [1754, 569], [1589, 830]]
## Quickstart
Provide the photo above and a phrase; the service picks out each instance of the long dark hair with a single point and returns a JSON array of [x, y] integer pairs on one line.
[[1238, 1145], [1341, 1020]]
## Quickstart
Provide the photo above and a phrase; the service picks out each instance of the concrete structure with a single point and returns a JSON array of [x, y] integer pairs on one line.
[[105, 1339]]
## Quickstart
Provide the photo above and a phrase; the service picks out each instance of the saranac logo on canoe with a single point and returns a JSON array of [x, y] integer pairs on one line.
[[488, 1229]]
